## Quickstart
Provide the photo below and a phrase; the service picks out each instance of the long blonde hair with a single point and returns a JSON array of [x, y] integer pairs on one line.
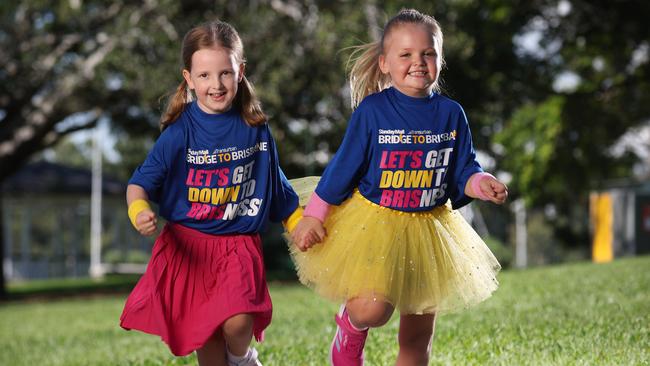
[[365, 76], [210, 35]]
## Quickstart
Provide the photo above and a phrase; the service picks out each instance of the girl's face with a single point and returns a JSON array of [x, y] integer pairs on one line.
[[411, 59], [214, 76]]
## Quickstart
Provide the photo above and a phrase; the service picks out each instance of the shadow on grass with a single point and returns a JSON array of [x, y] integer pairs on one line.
[[70, 287], [113, 284]]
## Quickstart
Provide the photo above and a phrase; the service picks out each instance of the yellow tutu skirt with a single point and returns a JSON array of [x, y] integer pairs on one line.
[[419, 262]]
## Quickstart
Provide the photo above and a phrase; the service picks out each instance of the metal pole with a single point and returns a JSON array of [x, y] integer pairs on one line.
[[7, 257], [96, 207], [521, 234]]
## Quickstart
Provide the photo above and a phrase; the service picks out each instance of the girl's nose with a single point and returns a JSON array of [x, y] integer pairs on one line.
[[216, 83]]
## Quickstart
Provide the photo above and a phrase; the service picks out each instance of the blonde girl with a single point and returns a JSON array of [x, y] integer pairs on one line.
[[383, 210]]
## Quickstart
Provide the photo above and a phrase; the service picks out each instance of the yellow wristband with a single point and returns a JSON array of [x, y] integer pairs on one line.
[[135, 208], [292, 221]]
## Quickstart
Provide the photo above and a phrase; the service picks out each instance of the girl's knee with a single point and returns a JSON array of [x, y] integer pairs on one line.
[[369, 313], [238, 325]]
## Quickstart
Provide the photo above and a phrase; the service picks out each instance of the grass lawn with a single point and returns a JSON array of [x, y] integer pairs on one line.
[[576, 314]]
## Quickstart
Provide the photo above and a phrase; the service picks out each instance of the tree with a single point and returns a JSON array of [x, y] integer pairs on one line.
[[557, 145], [59, 76], [68, 64]]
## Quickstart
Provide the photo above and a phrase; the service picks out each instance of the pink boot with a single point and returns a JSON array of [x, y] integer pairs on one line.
[[347, 346]]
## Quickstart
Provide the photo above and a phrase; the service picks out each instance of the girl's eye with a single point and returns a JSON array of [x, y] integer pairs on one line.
[[430, 54], [405, 55], [204, 75]]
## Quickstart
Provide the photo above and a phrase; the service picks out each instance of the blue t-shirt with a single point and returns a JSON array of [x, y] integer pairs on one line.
[[405, 153], [216, 174]]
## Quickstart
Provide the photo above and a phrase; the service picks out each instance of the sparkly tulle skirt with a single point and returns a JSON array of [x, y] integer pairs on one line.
[[419, 262]]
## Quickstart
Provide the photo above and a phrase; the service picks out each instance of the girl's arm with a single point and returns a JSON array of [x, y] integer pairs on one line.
[[486, 187], [140, 213]]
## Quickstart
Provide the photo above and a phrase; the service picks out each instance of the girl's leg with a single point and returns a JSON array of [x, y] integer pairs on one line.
[[367, 312], [238, 333], [415, 336], [213, 352], [352, 322]]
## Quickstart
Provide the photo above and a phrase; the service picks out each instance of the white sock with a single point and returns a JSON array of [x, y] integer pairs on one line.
[[236, 359]]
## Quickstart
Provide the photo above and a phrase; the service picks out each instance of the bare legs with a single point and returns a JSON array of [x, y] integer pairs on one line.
[[415, 331], [415, 336], [214, 351], [236, 332]]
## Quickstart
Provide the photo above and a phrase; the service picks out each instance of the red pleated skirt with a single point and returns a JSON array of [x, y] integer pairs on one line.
[[193, 283]]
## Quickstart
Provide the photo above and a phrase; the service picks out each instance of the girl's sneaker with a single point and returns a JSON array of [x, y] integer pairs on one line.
[[250, 359], [347, 345]]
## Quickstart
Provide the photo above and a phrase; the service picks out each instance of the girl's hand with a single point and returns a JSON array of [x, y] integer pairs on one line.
[[494, 190], [146, 222], [308, 232]]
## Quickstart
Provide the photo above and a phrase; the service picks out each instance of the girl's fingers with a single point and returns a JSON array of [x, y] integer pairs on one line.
[[314, 238], [500, 198], [303, 246], [320, 233]]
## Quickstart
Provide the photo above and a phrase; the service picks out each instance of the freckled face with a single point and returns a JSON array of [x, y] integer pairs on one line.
[[214, 76], [411, 58]]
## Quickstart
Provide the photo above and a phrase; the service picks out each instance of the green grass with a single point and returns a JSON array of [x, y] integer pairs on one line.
[[577, 314]]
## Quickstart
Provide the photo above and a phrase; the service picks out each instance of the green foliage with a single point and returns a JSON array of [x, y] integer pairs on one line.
[[541, 243], [579, 314], [531, 140], [132, 150], [604, 46]]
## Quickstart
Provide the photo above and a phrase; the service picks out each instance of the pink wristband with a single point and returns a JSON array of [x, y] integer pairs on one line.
[[475, 185], [316, 208]]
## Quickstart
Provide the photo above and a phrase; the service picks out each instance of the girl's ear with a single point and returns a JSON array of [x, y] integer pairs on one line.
[[382, 64], [188, 78]]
